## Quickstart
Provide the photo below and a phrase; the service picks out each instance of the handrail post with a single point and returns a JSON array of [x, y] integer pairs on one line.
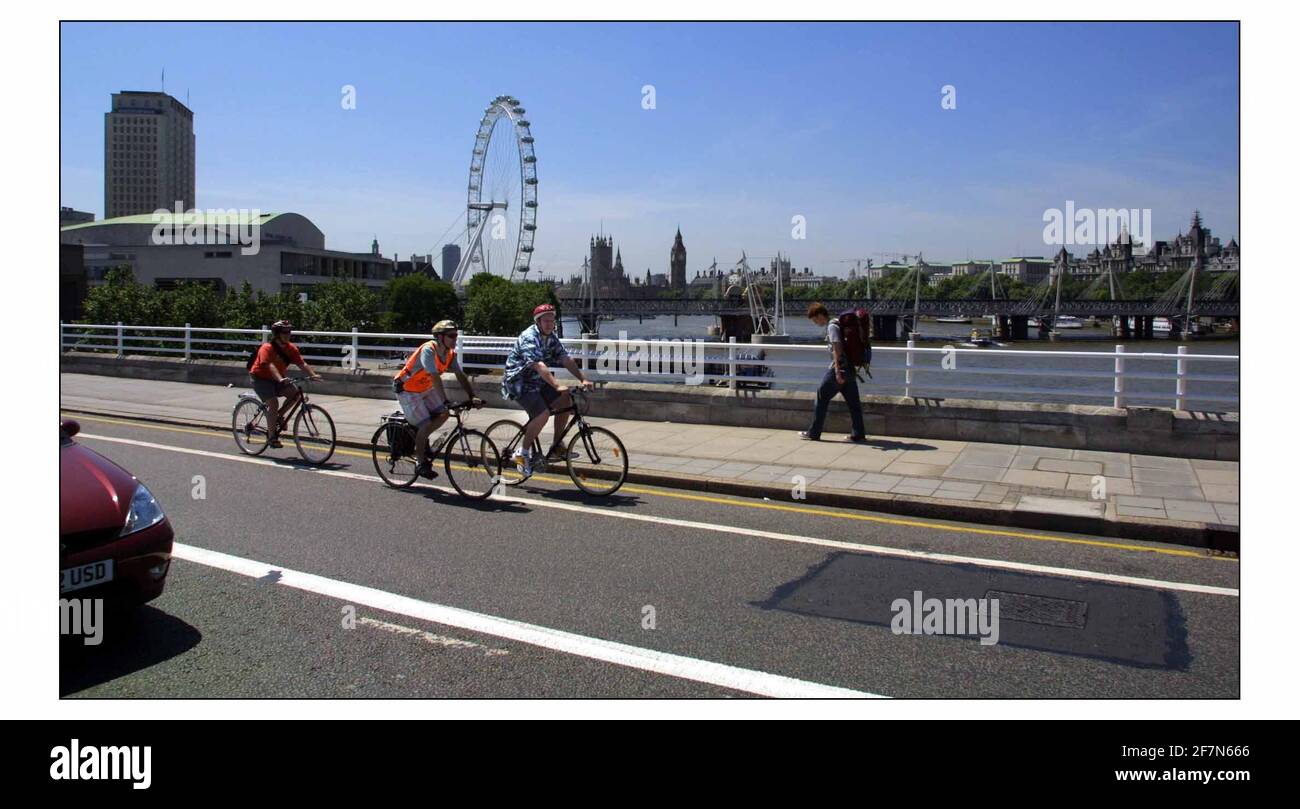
[[120, 342], [1119, 376], [60, 336], [266, 333], [187, 342], [907, 382], [356, 362], [1181, 398], [731, 361]]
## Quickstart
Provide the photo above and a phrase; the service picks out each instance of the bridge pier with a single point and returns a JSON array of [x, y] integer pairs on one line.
[[884, 328], [1148, 327], [1125, 330], [1019, 327], [1045, 328], [739, 326], [590, 363]]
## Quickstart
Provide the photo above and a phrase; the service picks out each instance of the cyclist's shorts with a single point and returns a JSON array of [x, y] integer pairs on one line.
[[266, 388], [538, 400], [420, 407]]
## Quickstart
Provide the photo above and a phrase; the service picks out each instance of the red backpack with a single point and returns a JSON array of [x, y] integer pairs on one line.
[[855, 331]]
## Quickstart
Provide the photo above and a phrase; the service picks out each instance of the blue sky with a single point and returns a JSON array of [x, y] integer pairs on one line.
[[754, 124]]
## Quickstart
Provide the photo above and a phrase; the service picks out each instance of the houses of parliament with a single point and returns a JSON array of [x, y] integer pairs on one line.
[[605, 266]]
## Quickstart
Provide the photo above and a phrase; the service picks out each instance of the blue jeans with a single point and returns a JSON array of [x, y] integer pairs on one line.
[[827, 391]]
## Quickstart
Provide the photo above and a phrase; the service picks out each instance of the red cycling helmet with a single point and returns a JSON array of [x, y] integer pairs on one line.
[[281, 326], [545, 308]]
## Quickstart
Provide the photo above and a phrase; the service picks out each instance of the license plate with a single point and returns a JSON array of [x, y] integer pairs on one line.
[[77, 578]]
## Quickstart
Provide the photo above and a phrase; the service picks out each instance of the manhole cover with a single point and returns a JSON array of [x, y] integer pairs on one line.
[[1031, 609]]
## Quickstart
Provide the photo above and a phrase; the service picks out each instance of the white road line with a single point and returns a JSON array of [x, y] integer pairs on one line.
[[703, 671], [753, 533]]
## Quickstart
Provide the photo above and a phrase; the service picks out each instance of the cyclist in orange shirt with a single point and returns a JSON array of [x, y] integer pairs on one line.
[[419, 388], [267, 374]]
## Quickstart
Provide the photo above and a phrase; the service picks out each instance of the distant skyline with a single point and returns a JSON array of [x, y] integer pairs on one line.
[[753, 124]]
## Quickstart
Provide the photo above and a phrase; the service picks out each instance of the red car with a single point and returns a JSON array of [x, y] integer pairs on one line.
[[114, 541]]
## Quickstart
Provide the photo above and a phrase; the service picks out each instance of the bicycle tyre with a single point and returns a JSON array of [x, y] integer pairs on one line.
[[244, 421], [393, 470], [597, 461], [501, 434], [316, 444], [477, 465]]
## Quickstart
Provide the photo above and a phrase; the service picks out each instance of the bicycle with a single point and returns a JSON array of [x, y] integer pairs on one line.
[[313, 429], [392, 448], [594, 457]]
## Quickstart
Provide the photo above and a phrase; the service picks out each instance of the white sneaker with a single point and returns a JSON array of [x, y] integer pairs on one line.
[[522, 462]]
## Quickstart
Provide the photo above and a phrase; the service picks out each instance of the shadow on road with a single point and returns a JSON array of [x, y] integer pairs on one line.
[[299, 463], [1126, 625], [133, 640], [489, 506], [575, 496]]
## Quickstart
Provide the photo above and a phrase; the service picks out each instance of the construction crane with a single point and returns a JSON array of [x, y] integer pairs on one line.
[[903, 257]]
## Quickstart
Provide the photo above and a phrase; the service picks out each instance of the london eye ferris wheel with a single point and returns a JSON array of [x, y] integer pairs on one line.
[[501, 209]]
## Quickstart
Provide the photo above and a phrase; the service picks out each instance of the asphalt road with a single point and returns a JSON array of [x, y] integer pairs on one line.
[[296, 582]]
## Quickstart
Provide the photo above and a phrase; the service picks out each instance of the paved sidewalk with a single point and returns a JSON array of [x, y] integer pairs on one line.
[[1175, 498]]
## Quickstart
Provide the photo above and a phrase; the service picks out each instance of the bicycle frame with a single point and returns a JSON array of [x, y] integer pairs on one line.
[[577, 421], [445, 442], [286, 414]]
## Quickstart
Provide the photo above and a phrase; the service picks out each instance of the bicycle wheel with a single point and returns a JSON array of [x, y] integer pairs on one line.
[[508, 436], [597, 461], [248, 424], [472, 464], [391, 449], [313, 432]]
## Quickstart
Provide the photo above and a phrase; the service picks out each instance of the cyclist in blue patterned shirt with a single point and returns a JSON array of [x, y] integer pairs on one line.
[[529, 381]]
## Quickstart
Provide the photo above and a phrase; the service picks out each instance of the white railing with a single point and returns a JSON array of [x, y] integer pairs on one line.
[[1122, 377]]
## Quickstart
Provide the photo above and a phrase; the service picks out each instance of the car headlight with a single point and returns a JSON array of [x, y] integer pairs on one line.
[[143, 513]]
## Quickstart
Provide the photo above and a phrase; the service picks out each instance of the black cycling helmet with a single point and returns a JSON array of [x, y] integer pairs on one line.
[[281, 326]]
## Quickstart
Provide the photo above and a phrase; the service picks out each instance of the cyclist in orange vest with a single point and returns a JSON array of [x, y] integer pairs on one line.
[[419, 388]]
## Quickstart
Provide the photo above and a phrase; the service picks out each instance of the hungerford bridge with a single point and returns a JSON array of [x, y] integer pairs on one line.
[[889, 315]]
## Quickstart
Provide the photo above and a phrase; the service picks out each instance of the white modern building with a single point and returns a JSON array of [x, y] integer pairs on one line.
[[273, 252]]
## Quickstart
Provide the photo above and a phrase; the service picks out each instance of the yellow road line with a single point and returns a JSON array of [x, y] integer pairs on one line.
[[807, 510], [936, 526]]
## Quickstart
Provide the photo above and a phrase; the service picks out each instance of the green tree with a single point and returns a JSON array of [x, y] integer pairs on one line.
[[497, 306], [239, 309], [528, 296], [491, 308], [121, 298], [415, 302], [194, 303], [338, 306], [481, 281]]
